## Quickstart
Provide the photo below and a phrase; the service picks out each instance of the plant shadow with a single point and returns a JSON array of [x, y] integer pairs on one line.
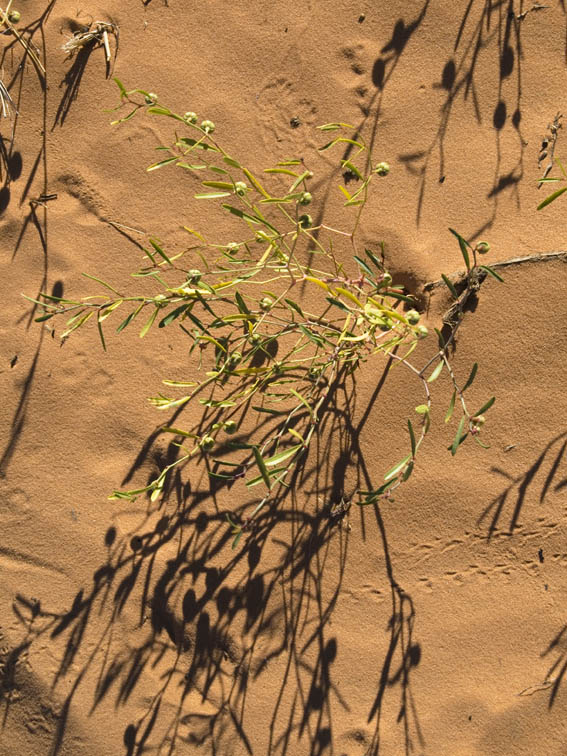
[[217, 622]]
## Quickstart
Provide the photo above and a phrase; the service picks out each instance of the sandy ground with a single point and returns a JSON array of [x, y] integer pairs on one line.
[[433, 624]]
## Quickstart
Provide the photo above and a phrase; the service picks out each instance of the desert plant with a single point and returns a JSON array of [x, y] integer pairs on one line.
[[258, 346]]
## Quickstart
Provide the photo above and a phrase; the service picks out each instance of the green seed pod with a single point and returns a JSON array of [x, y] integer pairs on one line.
[[207, 443], [255, 339], [478, 421], [382, 169], [208, 126], [190, 117], [240, 188], [150, 98], [160, 298], [194, 275], [234, 358], [385, 325], [386, 279], [305, 198], [482, 248], [232, 248], [230, 427], [266, 304], [305, 221], [14, 16], [422, 332], [413, 317]]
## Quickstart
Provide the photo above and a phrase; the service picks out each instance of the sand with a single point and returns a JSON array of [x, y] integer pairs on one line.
[[431, 624]]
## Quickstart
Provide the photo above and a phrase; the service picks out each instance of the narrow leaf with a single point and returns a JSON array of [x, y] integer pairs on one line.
[[485, 407], [396, 469], [492, 272], [436, 373], [449, 414], [471, 377], [463, 245], [412, 438], [262, 467], [554, 196], [450, 286], [457, 440]]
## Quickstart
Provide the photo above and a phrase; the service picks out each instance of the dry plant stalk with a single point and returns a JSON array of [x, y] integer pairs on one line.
[[97, 34], [5, 21]]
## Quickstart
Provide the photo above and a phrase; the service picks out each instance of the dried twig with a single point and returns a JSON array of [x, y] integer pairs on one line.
[[6, 102], [96, 34], [548, 143], [5, 21], [543, 257]]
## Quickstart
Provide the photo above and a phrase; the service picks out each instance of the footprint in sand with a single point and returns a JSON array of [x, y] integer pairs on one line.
[[285, 112]]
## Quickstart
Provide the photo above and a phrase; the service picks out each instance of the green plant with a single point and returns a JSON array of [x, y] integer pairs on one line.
[[276, 320], [558, 192]]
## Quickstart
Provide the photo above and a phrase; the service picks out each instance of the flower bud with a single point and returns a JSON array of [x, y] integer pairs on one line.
[[386, 279], [240, 188], [382, 169], [478, 421], [266, 304], [422, 332], [230, 427], [413, 317], [14, 16], [207, 443], [305, 221], [194, 275], [305, 198], [190, 117], [150, 98], [232, 248], [208, 126], [482, 248]]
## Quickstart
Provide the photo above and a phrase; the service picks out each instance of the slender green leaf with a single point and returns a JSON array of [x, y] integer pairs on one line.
[[449, 414], [364, 267], [485, 407], [130, 318], [450, 286], [160, 251], [241, 303], [396, 469], [303, 400], [440, 339], [149, 323], [458, 437], [262, 467], [412, 438], [463, 245], [294, 306], [100, 281], [492, 272], [552, 197], [155, 166], [471, 377], [283, 455], [173, 315], [212, 195], [436, 373]]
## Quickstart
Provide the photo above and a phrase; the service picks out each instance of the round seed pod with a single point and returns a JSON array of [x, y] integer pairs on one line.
[[150, 98], [266, 304], [382, 169], [232, 248], [422, 332], [208, 126], [207, 443], [305, 221], [230, 427], [386, 279], [482, 248], [305, 198], [413, 317], [194, 275], [190, 117], [14, 16], [478, 421], [385, 325], [240, 188]]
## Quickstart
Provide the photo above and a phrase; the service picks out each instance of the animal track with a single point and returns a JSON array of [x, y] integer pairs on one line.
[[283, 112]]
